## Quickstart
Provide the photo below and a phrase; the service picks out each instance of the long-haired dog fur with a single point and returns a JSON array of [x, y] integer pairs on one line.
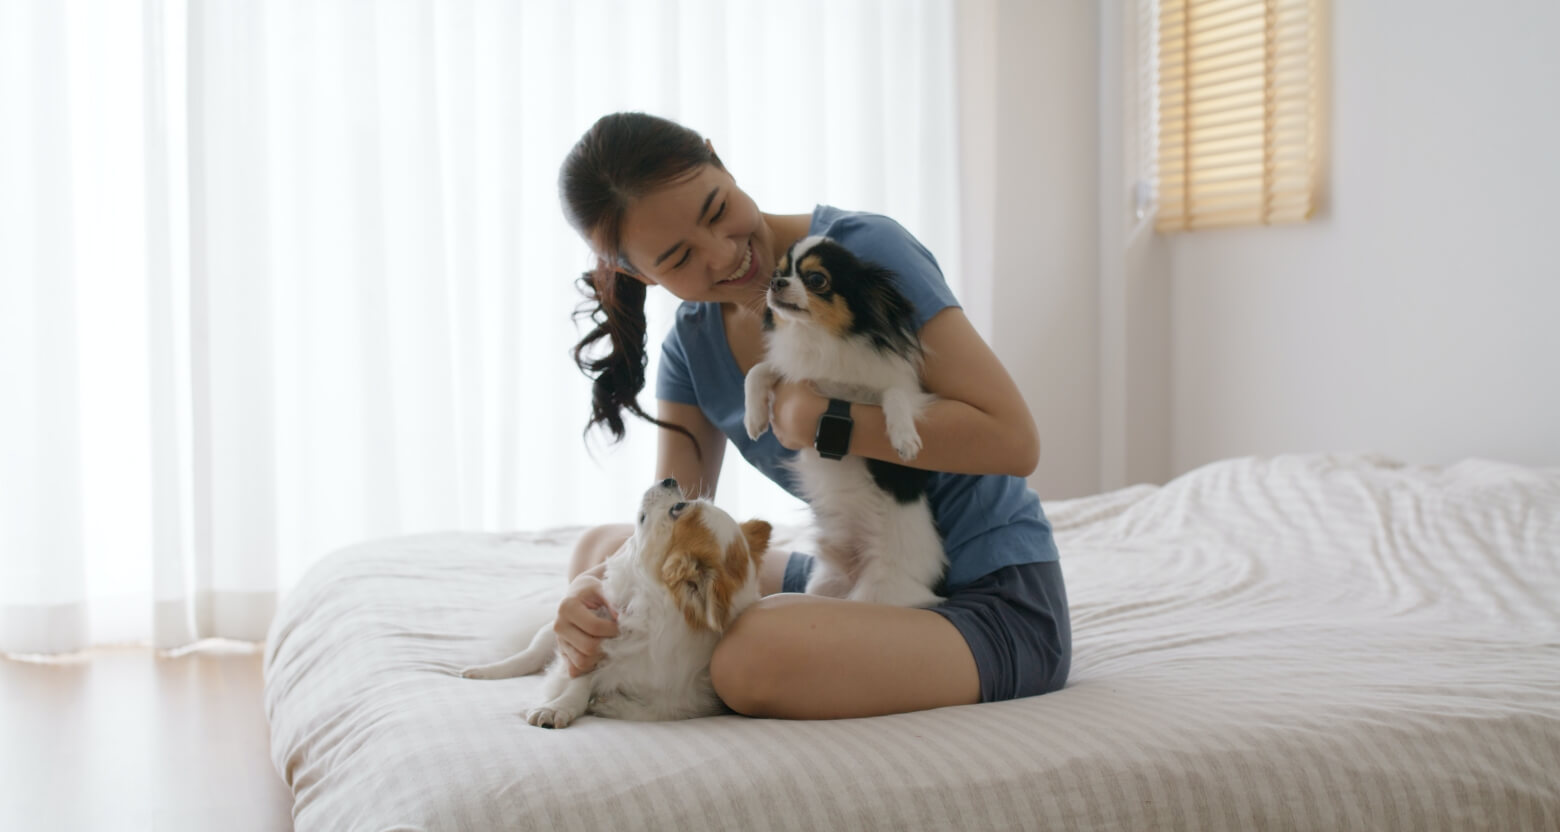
[[840, 323], [688, 571]]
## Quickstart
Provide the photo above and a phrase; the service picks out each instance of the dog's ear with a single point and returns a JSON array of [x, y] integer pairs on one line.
[[757, 533], [699, 586]]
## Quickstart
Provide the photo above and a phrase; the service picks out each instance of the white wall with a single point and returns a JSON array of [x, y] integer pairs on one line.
[[1134, 274], [1420, 315], [1417, 316], [1030, 196]]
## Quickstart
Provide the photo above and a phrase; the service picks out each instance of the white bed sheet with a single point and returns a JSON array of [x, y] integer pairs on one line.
[[1300, 642]]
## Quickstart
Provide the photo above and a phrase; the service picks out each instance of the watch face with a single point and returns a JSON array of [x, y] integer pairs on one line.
[[833, 434]]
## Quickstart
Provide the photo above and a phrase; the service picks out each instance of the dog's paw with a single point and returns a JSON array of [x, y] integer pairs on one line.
[[907, 443], [755, 399], [756, 420], [481, 671], [755, 416], [547, 716], [901, 407]]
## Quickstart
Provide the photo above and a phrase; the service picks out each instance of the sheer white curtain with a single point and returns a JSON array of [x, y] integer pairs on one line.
[[277, 278]]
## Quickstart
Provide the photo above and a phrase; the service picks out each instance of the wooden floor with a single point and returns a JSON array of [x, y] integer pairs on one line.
[[122, 739]]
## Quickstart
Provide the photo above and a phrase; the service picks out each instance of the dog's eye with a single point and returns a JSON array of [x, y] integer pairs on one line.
[[641, 518], [677, 509], [815, 281]]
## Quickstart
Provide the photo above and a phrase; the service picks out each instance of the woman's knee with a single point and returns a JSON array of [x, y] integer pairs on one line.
[[596, 545], [749, 667]]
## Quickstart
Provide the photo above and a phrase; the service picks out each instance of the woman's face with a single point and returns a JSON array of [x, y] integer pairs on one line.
[[702, 239]]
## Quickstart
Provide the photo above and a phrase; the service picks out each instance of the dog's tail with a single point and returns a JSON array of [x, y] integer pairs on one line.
[[530, 660]]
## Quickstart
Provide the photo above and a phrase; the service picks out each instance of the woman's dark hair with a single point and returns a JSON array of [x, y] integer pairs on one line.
[[622, 156]]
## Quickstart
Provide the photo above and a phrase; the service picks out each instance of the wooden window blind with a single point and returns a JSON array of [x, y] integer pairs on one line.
[[1236, 112]]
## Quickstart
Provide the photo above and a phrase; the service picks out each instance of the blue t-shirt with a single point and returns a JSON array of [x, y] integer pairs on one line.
[[987, 522]]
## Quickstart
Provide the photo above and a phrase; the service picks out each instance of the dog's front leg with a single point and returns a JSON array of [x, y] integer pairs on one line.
[[563, 699], [901, 407], [756, 389]]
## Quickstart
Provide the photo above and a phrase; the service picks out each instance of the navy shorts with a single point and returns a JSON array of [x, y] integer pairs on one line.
[[1014, 619]]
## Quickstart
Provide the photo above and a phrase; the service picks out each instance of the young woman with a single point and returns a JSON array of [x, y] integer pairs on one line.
[[658, 208]]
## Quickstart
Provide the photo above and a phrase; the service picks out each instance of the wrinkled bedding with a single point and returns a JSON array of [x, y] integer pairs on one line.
[[1299, 642]]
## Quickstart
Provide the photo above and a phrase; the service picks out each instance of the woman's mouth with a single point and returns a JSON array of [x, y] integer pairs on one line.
[[745, 271]]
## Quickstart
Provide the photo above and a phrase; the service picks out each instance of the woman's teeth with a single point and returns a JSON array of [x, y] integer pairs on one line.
[[747, 262]]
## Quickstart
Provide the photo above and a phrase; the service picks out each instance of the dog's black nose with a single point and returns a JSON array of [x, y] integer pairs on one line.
[[669, 483]]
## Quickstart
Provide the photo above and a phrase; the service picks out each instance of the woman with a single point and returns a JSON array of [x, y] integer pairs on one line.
[[659, 209]]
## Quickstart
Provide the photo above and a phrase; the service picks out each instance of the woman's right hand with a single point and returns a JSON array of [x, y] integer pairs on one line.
[[584, 619]]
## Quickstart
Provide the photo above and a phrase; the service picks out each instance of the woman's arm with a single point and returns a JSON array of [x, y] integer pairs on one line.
[[676, 457], [979, 424]]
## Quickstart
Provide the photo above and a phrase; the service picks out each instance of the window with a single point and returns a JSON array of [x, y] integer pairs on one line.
[[1236, 111]]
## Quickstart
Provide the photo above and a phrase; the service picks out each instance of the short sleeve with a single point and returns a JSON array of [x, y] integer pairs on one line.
[[673, 380], [885, 242]]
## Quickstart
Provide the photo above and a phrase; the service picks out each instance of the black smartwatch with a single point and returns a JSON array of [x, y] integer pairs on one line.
[[833, 437]]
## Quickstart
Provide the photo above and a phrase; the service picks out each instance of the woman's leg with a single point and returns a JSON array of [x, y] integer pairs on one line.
[[596, 545], [806, 657], [771, 571]]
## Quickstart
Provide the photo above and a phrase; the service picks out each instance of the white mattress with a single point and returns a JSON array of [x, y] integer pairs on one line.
[[1301, 642]]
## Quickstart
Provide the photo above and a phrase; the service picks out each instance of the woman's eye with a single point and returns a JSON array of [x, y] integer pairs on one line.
[[688, 252], [718, 214], [677, 509]]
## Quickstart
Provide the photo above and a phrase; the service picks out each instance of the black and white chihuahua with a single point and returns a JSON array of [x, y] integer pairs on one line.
[[840, 322]]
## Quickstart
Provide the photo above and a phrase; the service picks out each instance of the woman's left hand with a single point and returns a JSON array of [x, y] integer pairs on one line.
[[794, 413]]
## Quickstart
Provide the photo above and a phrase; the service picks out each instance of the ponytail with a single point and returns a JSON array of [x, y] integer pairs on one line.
[[622, 156], [619, 375]]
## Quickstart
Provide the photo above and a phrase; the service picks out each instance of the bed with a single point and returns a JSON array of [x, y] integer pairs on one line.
[[1294, 642]]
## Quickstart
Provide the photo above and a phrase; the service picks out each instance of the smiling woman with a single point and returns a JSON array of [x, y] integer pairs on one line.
[[659, 209]]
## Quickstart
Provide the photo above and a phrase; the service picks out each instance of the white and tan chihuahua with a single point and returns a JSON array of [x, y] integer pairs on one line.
[[686, 574]]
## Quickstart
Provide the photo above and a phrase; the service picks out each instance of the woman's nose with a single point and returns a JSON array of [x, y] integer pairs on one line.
[[725, 256]]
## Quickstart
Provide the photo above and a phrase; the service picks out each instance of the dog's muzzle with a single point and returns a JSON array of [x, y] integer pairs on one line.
[[661, 495], [787, 294]]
